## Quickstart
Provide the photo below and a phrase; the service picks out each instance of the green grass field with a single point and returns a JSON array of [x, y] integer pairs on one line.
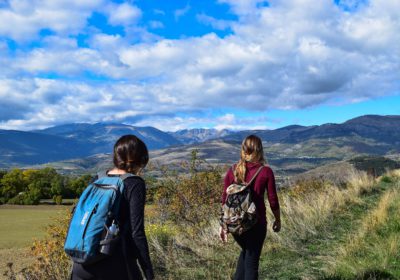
[[19, 226]]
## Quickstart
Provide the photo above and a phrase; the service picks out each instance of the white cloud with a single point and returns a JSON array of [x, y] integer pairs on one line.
[[244, 8], [181, 12], [123, 14], [215, 23], [22, 20], [293, 54]]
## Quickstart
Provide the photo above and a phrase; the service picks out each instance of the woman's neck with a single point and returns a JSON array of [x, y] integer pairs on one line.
[[116, 171]]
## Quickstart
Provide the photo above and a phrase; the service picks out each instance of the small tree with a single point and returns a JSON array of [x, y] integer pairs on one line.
[[57, 185]]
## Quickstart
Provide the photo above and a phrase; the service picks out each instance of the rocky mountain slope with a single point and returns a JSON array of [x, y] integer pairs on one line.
[[198, 135]]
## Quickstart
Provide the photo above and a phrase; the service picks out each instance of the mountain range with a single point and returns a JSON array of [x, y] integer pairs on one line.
[[291, 149]]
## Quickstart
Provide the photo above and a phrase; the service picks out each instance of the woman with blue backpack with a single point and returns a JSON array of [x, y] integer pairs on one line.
[[106, 238], [244, 211]]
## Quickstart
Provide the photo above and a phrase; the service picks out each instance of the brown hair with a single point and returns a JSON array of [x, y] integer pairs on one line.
[[252, 150], [130, 154]]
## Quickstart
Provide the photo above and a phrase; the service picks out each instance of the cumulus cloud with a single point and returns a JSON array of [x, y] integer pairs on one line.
[[286, 55], [22, 20]]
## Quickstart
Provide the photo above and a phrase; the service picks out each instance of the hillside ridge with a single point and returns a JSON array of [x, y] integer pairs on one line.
[[369, 134]]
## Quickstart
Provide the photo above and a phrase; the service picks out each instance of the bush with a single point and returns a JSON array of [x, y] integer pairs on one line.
[[18, 199], [386, 179], [57, 199], [26, 198], [304, 186], [190, 199]]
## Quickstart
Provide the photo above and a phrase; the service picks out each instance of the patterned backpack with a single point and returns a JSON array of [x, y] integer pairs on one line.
[[239, 211]]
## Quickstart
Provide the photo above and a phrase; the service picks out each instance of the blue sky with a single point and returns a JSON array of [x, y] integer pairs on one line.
[[237, 64]]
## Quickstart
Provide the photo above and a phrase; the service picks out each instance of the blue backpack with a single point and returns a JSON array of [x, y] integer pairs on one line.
[[96, 209]]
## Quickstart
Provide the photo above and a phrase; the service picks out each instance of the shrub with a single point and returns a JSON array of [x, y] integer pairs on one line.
[[162, 232], [386, 179], [57, 199], [18, 199], [190, 199], [304, 186]]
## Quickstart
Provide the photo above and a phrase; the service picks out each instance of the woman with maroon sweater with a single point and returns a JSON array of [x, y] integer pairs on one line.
[[251, 241]]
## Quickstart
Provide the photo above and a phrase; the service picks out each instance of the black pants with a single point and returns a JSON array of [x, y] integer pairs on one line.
[[113, 268], [251, 243]]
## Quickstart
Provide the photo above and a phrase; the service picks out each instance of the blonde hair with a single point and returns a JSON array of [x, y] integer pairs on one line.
[[252, 151]]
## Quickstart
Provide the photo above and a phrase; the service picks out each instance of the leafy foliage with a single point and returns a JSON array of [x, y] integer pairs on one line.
[[30, 186], [190, 199], [12, 183]]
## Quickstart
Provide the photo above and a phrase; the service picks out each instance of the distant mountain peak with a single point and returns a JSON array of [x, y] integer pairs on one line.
[[198, 135]]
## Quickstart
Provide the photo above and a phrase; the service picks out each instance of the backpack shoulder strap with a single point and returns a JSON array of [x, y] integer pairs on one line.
[[255, 175], [103, 173], [233, 167]]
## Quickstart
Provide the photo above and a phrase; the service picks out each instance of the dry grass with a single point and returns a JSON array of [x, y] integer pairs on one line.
[[304, 211], [394, 173], [19, 257], [305, 208]]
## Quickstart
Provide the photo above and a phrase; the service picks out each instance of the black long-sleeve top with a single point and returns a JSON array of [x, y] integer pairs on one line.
[[122, 264], [132, 215]]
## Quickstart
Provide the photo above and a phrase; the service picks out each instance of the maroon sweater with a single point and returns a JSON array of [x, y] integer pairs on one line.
[[265, 181]]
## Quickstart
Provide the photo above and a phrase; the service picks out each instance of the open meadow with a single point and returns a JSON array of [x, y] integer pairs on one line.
[[20, 225]]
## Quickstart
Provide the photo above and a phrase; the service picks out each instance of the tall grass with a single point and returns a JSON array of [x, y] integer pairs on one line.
[[310, 202], [372, 252], [306, 206]]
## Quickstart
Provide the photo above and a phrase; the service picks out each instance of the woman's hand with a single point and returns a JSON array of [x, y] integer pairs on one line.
[[223, 235], [276, 226]]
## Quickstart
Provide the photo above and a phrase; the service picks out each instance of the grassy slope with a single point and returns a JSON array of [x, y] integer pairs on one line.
[[318, 256]]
